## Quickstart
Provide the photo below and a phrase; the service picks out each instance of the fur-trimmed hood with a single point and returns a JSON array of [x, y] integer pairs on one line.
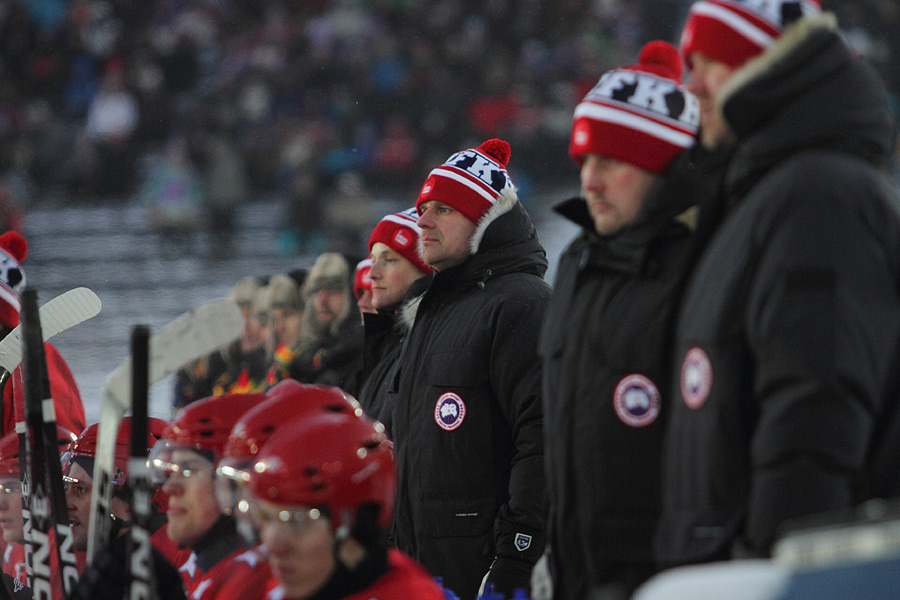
[[505, 241], [808, 90]]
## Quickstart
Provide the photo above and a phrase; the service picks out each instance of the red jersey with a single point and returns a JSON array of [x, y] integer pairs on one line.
[[14, 561], [242, 574], [405, 579], [172, 551]]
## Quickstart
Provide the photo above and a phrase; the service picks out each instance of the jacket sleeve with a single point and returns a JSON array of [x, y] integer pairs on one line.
[[822, 324], [515, 382], [63, 390]]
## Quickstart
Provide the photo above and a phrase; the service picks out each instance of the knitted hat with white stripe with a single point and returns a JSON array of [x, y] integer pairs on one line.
[[400, 233], [472, 181], [13, 249], [638, 114], [734, 31], [361, 279]]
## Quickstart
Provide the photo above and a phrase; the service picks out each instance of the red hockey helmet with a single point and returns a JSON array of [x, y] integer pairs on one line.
[[335, 462], [9, 455], [202, 427], [286, 400], [206, 424], [9, 449], [85, 447]]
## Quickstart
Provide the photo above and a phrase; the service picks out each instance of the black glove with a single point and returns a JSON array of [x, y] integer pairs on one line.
[[509, 574]]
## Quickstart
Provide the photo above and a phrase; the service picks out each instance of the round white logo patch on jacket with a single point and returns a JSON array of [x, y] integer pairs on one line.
[[696, 377], [449, 411], [636, 400]]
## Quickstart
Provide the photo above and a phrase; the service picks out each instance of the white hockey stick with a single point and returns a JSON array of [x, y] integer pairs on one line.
[[191, 336], [65, 311]]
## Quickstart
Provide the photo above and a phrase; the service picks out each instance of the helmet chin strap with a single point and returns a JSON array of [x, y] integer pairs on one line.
[[118, 526]]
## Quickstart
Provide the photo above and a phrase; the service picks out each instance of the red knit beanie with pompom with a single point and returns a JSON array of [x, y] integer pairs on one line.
[[470, 181], [639, 114]]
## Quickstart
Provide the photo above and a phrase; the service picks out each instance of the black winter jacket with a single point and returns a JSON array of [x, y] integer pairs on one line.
[[467, 424], [381, 347], [787, 344], [605, 347]]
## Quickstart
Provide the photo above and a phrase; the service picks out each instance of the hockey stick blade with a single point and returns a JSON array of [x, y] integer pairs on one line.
[[193, 335], [63, 312]]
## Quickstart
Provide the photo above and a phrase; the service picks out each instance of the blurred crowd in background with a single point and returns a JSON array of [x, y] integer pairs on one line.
[[194, 106]]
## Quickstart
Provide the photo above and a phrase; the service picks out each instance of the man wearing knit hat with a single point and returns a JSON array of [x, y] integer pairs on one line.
[[603, 343], [362, 286], [395, 265], [332, 331], [63, 389], [465, 392], [784, 387]]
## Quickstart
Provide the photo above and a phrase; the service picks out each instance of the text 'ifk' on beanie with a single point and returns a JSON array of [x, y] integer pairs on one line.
[[638, 114], [734, 31], [471, 181]]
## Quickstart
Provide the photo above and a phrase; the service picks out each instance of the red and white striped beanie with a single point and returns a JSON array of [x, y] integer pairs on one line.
[[734, 31], [13, 249], [638, 114], [471, 181], [361, 279], [400, 233]]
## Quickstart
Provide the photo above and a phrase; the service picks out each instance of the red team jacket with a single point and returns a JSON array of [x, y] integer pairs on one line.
[[405, 579], [243, 574], [63, 389]]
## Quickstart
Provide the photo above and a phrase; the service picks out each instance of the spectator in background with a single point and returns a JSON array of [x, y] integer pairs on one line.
[[227, 187], [787, 402], [331, 326], [112, 119], [173, 197], [248, 365], [11, 215], [197, 380], [287, 325], [193, 57]]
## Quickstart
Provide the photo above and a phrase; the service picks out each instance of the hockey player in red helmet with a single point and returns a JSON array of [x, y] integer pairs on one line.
[[12, 524], [78, 471], [107, 576], [285, 401], [323, 495], [185, 462]]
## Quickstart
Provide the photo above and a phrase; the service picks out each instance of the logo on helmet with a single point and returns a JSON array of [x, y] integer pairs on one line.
[[449, 411]]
